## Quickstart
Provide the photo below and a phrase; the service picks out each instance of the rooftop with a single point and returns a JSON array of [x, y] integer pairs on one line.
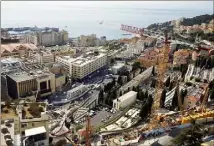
[[23, 76], [14, 47], [35, 131], [126, 96]]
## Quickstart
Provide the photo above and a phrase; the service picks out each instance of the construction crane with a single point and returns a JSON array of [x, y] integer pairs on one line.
[[127, 28], [161, 69], [88, 131]]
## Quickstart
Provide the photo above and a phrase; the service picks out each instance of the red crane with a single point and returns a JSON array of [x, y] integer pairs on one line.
[[132, 29], [127, 28]]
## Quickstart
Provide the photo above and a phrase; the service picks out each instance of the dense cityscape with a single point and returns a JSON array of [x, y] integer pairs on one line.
[[154, 88]]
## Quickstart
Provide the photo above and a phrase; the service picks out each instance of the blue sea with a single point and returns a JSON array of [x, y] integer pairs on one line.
[[85, 17]]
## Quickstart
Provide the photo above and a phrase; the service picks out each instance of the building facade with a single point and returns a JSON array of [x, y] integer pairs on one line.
[[125, 100], [47, 38], [23, 84], [84, 65]]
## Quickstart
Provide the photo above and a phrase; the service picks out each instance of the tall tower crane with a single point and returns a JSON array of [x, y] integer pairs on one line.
[[206, 95], [161, 69], [88, 131]]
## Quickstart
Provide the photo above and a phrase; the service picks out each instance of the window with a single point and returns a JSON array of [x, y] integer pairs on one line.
[[23, 125]]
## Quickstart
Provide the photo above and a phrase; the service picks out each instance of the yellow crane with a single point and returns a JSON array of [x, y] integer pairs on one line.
[[161, 69]]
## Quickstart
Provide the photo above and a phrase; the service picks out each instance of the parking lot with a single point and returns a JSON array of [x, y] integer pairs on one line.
[[96, 120]]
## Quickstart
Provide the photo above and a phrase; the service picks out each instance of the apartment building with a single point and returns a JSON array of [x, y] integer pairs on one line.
[[84, 65], [23, 84], [47, 38], [181, 57], [43, 57], [87, 41]]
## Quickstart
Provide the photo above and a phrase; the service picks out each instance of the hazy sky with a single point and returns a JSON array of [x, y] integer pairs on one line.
[[84, 16], [8, 7]]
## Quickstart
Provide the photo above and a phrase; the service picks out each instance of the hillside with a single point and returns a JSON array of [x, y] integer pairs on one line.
[[187, 22], [197, 20]]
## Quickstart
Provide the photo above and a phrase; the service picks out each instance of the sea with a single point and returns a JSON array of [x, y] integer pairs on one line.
[[100, 18]]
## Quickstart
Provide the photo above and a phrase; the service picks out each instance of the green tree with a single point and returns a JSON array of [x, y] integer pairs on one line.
[[146, 95], [167, 82], [136, 65], [112, 60], [212, 94], [191, 136], [101, 96], [153, 84], [163, 97]]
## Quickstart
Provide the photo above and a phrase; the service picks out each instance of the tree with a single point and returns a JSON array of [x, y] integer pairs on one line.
[[167, 82], [100, 96], [190, 136], [212, 94], [146, 94], [163, 97], [153, 84], [78, 127], [171, 85], [8, 104], [61, 142], [136, 65], [112, 60]]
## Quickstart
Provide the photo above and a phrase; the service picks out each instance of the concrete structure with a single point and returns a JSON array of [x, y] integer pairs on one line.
[[47, 38], [43, 57], [196, 72], [23, 84], [117, 67], [125, 100], [84, 65], [136, 80], [76, 91]]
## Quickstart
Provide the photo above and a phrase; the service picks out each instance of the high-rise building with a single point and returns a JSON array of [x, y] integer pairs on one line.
[[47, 38]]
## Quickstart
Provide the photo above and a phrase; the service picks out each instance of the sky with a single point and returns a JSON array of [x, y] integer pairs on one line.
[[81, 16]]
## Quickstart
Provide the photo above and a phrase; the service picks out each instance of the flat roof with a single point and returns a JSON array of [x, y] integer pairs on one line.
[[20, 76], [126, 96], [23, 76], [35, 131]]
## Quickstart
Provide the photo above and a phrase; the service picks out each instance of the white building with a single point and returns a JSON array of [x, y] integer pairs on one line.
[[125, 100], [82, 66], [76, 91], [43, 57], [117, 67]]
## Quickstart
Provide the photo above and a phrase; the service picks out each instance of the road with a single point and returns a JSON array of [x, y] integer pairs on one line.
[[97, 119]]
